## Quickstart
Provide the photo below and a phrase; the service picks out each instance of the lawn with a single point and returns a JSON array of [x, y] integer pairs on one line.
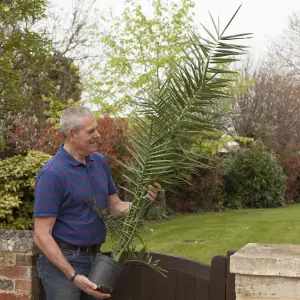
[[229, 230]]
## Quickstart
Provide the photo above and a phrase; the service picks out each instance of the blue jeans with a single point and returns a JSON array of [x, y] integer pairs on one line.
[[57, 286]]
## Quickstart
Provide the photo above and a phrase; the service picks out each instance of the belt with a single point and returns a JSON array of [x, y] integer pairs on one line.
[[63, 245]]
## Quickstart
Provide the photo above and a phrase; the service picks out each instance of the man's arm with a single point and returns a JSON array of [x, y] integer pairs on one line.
[[115, 204], [44, 240]]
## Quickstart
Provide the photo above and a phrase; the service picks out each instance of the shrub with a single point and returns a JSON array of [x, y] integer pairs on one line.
[[158, 212], [204, 192], [291, 166], [253, 178], [114, 143], [29, 134], [17, 180]]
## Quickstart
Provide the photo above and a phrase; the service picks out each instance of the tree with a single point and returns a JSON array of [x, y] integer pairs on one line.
[[32, 73], [269, 110], [286, 49], [73, 31], [139, 51], [22, 49], [30, 67], [56, 81], [22, 52]]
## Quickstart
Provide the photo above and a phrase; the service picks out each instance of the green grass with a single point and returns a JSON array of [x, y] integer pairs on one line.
[[229, 230]]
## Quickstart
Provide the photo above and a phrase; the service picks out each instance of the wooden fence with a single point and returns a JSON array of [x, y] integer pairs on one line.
[[186, 280]]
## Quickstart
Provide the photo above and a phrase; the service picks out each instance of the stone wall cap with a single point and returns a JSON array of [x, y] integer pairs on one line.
[[267, 259], [17, 241]]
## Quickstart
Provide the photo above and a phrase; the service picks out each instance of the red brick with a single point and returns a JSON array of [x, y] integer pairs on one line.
[[14, 296], [16, 272], [23, 286], [27, 285]]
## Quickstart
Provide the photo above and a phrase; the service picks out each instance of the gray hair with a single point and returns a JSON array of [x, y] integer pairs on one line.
[[72, 117]]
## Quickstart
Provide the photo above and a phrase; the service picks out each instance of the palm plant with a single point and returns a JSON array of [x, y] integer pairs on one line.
[[166, 126]]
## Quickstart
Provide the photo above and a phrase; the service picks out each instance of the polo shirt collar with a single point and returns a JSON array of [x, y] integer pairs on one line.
[[69, 158]]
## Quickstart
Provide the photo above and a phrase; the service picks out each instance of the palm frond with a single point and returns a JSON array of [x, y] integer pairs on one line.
[[169, 122]]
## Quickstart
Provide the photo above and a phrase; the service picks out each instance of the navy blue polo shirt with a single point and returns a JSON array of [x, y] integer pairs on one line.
[[62, 187]]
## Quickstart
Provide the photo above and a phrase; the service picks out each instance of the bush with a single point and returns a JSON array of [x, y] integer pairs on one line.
[[204, 193], [291, 166], [114, 143], [158, 212], [253, 178], [29, 134], [17, 180]]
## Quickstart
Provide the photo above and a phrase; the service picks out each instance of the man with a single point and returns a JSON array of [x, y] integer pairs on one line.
[[66, 229]]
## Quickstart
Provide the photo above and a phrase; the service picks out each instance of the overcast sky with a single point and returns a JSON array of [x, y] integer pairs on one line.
[[265, 18]]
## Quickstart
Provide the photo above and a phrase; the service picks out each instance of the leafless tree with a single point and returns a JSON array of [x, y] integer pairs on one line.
[[270, 111], [73, 28], [286, 49]]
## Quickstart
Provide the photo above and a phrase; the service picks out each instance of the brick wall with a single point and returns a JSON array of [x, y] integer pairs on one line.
[[18, 270]]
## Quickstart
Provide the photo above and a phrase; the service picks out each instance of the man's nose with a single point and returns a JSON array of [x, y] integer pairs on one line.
[[97, 135]]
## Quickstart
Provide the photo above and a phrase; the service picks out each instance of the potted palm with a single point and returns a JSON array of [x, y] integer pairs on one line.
[[164, 130]]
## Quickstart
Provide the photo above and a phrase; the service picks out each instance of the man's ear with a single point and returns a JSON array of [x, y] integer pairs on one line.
[[70, 134]]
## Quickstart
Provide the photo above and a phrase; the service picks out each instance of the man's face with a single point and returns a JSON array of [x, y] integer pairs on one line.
[[85, 140]]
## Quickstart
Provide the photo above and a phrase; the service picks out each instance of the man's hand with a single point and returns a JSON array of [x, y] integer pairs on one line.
[[152, 192], [89, 287], [115, 205]]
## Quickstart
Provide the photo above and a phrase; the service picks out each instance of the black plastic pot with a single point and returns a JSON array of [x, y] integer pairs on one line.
[[105, 272]]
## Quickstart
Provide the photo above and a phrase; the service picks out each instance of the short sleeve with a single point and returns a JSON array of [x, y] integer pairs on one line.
[[110, 182], [48, 194], [111, 186]]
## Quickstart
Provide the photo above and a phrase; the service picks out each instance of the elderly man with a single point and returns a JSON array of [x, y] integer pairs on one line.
[[67, 231]]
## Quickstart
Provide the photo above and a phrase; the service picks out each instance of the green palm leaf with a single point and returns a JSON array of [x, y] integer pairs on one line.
[[166, 126]]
